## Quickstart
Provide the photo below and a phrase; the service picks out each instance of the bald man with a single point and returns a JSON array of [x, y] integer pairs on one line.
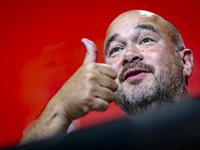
[[147, 66]]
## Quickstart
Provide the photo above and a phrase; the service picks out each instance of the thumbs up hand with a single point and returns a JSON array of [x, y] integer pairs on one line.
[[90, 88]]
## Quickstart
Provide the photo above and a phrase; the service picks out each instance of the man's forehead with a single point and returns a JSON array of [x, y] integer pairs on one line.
[[130, 19]]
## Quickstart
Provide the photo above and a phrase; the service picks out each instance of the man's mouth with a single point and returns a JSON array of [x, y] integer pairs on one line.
[[134, 74]]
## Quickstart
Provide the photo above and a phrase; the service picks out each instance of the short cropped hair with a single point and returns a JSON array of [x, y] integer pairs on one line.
[[176, 37]]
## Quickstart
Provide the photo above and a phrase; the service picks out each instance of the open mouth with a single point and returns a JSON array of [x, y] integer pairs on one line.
[[133, 73]]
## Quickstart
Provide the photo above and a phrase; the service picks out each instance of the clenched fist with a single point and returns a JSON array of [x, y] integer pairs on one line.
[[90, 88]]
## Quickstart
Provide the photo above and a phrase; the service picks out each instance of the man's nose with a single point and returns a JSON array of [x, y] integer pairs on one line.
[[132, 54]]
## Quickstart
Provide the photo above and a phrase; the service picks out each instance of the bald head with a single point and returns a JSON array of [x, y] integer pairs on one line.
[[125, 20]]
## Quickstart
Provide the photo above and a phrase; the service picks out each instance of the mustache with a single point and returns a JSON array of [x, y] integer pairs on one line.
[[138, 65]]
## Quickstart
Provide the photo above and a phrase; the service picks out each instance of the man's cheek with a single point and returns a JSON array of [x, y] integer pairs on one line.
[[114, 64], [156, 54]]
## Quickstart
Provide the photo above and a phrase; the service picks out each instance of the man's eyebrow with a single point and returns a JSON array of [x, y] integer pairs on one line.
[[147, 27], [111, 39]]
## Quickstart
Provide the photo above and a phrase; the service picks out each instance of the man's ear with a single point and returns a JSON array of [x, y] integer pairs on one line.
[[187, 61]]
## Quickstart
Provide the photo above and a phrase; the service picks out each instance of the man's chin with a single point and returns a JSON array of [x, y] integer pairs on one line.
[[134, 97], [136, 86]]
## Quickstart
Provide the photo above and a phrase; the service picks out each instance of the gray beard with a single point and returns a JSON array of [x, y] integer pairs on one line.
[[167, 88]]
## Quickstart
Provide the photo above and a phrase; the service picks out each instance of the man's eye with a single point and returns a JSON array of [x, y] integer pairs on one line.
[[146, 40], [116, 50]]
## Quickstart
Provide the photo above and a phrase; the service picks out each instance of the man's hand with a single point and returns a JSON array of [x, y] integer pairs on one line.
[[90, 88]]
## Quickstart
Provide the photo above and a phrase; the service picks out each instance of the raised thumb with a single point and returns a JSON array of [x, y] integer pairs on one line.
[[91, 54]]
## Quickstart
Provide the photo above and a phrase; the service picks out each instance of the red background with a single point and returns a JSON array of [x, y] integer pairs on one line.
[[40, 49]]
